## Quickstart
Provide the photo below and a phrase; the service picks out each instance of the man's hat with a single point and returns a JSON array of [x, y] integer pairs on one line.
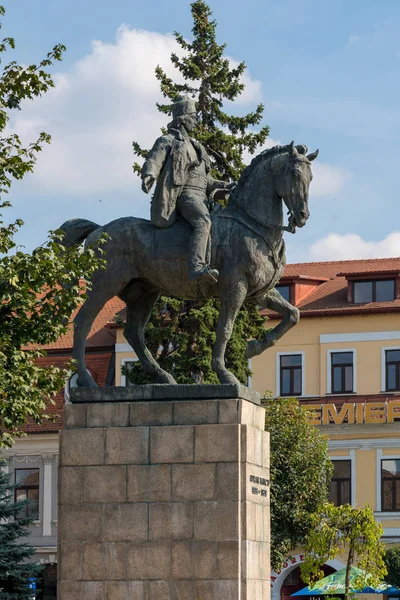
[[183, 106]]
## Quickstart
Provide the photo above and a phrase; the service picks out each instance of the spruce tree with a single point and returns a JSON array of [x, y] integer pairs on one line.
[[15, 571], [186, 330]]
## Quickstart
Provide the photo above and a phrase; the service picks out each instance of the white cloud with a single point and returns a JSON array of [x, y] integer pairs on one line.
[[352, 246], [354, 39], [97, 109], [327, 179]]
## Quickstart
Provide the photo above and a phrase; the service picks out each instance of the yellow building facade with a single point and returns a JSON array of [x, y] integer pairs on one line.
[[343, 361]]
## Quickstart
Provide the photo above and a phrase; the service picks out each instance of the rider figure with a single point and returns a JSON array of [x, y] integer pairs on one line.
[[181, 166]]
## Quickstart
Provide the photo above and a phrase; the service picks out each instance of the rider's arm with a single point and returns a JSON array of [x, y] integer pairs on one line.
[[216, 184], [155, 161]]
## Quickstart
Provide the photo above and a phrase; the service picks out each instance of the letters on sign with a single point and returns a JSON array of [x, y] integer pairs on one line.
[[351, 413], [259, 486]]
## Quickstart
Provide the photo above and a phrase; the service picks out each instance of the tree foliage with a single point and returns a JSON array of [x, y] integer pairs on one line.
[[186, 333], [300, 475], [392, 562], [14, 552], [38, 291], [337, 529], [210, 78]]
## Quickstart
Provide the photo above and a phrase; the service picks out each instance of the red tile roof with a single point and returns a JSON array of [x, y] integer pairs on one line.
[[100, 335], [329, 298], [98, 364]]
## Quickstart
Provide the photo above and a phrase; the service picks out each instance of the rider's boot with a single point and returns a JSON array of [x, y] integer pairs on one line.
[[198, 268], [204, 273]]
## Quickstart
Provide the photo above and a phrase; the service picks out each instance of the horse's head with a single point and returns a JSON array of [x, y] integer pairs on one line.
[[292, 177]]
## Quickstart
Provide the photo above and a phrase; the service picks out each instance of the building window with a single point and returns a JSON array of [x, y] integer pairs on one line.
[[340, 486], [342, 369], [290, 375], [392, 366], [284, 291], [127, 366], [390, 470], [27, 488], [380, 290]]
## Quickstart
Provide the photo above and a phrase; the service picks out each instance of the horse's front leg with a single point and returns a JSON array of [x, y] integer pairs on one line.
[[290, 314], [232, 298]]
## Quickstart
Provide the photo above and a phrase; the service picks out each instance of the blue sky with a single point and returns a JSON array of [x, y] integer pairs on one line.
[[327, 72]]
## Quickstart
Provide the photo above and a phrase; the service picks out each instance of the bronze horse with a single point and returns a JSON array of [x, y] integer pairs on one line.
[[247, 248]]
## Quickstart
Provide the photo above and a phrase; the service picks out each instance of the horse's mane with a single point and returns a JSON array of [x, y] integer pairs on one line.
[[264, 155]]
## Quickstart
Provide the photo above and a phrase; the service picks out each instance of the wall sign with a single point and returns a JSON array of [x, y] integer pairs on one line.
[[351, 413]]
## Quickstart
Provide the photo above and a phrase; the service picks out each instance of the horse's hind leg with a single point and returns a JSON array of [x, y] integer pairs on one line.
[[139, 304], [97, 297]]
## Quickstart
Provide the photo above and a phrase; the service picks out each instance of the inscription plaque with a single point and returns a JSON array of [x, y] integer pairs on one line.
[[261, 489]]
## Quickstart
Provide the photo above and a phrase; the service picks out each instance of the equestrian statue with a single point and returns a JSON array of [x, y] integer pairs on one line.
[[235, 254]]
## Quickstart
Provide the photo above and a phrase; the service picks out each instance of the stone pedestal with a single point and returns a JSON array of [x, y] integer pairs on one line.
[[164, 495]]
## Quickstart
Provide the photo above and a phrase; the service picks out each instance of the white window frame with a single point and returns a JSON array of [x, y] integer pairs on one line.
[[352, 458], [379, 458], [329, 370], [123, 362], [278, 371], [383, 368]]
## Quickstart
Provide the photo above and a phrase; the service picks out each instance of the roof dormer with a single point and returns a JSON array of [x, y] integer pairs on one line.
[[373, 286], [297, 287]]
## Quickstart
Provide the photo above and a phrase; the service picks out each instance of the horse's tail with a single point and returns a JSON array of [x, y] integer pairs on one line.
[[76, 231]]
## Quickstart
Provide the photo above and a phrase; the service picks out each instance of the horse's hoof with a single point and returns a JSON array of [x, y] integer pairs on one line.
[[86, 381], [228, 378], [165, 378]]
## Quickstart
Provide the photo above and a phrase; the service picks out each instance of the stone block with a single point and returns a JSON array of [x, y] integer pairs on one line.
[[70, 561], [74, 416], [227, 560], [182, 590], [193, 482], [70, 590], [104, 484], [129, 445], [149, 483], [227, 481], [103, 561], [246, 412], [79, 447], [126, 590], [80, 523], [107, 415], [71, 485], [196, 412], [150, 413], [148, 560], [266, 449], [212, 590], [81, 590], [259, 417], [193, 560], [249, 520], [125, 522], [170, 520], [92, 590], [216, 521], [159, 590], [172, 444], [252, 445], [229, 411], [217, 443]]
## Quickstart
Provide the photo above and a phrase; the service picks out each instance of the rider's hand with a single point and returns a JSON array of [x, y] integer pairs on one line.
[[147, 183]]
